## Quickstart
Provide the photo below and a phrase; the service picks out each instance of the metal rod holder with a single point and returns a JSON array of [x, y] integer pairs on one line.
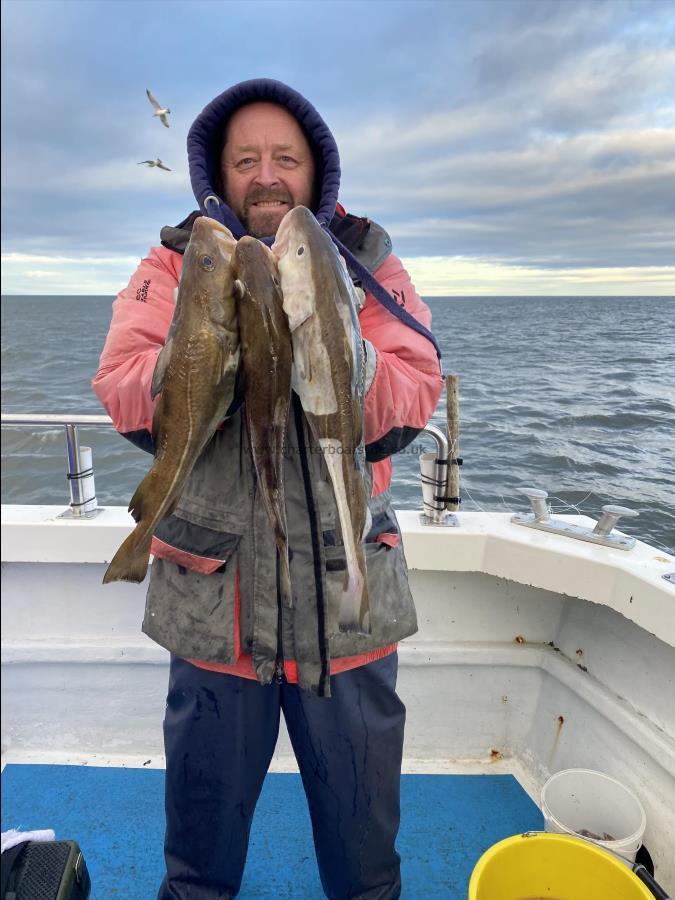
[[434, 470], [83, 503]]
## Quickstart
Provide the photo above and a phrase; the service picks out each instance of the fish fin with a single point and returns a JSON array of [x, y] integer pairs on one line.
[[368, 523], [297, 319], [285, 578], [161, 366], [298, 308], [136, 502], [280, 418], [228, 366], [157, 418], [357, 424], [130, 563], [238, 290], [354, 614]]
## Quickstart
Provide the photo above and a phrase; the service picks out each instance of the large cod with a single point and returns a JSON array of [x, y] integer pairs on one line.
[[328, 358], [266, 358], [195, 374]]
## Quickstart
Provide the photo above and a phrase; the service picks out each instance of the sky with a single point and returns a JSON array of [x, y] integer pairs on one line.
[[509, 147]]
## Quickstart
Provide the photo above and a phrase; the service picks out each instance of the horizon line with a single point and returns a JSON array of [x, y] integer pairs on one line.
[[423, 296]]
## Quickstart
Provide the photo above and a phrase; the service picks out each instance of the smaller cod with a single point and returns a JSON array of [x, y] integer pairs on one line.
[[266, 358], [320, 302], [195, 374]]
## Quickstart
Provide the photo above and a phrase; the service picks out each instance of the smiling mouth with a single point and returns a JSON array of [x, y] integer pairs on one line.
[[269, 204]]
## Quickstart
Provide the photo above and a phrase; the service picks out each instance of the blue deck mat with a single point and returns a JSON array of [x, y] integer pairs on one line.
[[116, 815]]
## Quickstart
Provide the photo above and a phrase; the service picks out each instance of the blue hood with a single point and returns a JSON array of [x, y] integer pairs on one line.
[[204, 144]]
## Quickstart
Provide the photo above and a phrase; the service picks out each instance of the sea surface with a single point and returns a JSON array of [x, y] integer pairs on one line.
[[573, 395]]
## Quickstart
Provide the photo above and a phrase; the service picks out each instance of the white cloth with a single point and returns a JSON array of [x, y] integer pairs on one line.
[[14, 836]]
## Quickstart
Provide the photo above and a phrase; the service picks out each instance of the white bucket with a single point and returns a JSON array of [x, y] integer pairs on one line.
[[594, 806]]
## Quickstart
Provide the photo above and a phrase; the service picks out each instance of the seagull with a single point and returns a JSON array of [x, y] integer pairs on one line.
[[159, 110], [154, 162]]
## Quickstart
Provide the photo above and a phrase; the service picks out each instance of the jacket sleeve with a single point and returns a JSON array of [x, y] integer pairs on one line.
[[141, 316], [407, 380]]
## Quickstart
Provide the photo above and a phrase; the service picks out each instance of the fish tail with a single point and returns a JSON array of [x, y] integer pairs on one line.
[[354, 613], [136, 503], [285, 576], [130, 563]]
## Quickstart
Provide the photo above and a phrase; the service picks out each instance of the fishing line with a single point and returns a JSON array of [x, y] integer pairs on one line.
[[572, 505]]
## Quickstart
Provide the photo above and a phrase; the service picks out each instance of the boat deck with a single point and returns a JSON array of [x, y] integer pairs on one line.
[[116, 815]]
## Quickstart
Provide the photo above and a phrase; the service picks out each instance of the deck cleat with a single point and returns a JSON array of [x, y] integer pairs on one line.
[[541, 519]]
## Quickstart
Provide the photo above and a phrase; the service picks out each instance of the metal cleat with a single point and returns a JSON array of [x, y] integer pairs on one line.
[[541, 519]]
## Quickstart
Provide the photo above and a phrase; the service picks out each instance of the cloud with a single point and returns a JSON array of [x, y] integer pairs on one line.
[[537, 133], [463, 276], [25, 273]]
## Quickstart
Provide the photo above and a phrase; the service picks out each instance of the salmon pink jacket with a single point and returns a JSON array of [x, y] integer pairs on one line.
[[405, 381]]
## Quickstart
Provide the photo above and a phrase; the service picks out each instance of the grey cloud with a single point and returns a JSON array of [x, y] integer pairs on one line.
[[534, 131]]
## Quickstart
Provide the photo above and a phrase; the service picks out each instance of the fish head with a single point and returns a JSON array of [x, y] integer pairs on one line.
[[299, 240], [255, 267], [212, 238], [207, 269], [257, 290]]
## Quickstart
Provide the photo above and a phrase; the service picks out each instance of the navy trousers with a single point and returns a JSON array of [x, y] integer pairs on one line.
[[219, 735]]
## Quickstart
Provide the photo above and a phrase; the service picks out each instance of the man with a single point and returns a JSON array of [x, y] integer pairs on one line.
[[239, 655]]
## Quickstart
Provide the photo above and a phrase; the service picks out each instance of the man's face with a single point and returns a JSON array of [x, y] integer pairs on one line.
[[267, 167]]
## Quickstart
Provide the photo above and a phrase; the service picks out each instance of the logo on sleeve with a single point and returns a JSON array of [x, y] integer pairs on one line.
[[142, 292]]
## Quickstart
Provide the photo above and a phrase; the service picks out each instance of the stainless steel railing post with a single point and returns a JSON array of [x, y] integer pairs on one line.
[[80, 472], [74, 480]]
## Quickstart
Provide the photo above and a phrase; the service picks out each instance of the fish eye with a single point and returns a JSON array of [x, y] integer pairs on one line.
[[208, 263], [301, 250]]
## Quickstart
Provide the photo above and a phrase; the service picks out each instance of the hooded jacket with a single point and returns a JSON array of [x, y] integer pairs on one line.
[[212, 594]]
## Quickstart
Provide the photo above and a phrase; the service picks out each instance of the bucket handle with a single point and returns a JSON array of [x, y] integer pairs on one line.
[[638, 869], [647, 878]]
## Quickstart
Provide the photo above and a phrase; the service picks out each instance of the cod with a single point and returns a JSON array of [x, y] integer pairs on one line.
[[266, 359], [328, 358], [195, 375]]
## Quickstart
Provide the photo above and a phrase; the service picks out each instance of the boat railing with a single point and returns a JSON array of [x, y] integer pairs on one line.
[[83, 503], [80, 474], [436, 468]]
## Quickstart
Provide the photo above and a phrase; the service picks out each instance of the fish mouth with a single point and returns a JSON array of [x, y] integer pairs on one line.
[[207, 224], [246, 248], [280, 246], [299, 217]]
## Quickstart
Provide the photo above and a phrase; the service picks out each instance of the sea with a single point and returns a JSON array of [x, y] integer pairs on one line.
[[572, 395]]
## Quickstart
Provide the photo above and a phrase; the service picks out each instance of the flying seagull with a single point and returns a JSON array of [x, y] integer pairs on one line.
[[159, 110], [154, 162]]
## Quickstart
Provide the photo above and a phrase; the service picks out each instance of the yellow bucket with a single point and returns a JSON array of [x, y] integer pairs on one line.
[[546, 866]]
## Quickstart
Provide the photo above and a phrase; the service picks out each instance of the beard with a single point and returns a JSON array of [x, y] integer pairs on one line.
[[263, 222]]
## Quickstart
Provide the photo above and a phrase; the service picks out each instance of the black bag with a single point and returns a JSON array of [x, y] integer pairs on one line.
[[45, 870]]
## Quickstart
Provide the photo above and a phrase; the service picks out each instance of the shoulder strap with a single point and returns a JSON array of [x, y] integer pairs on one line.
[[177, 237], [365, 239], [8, 864]]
